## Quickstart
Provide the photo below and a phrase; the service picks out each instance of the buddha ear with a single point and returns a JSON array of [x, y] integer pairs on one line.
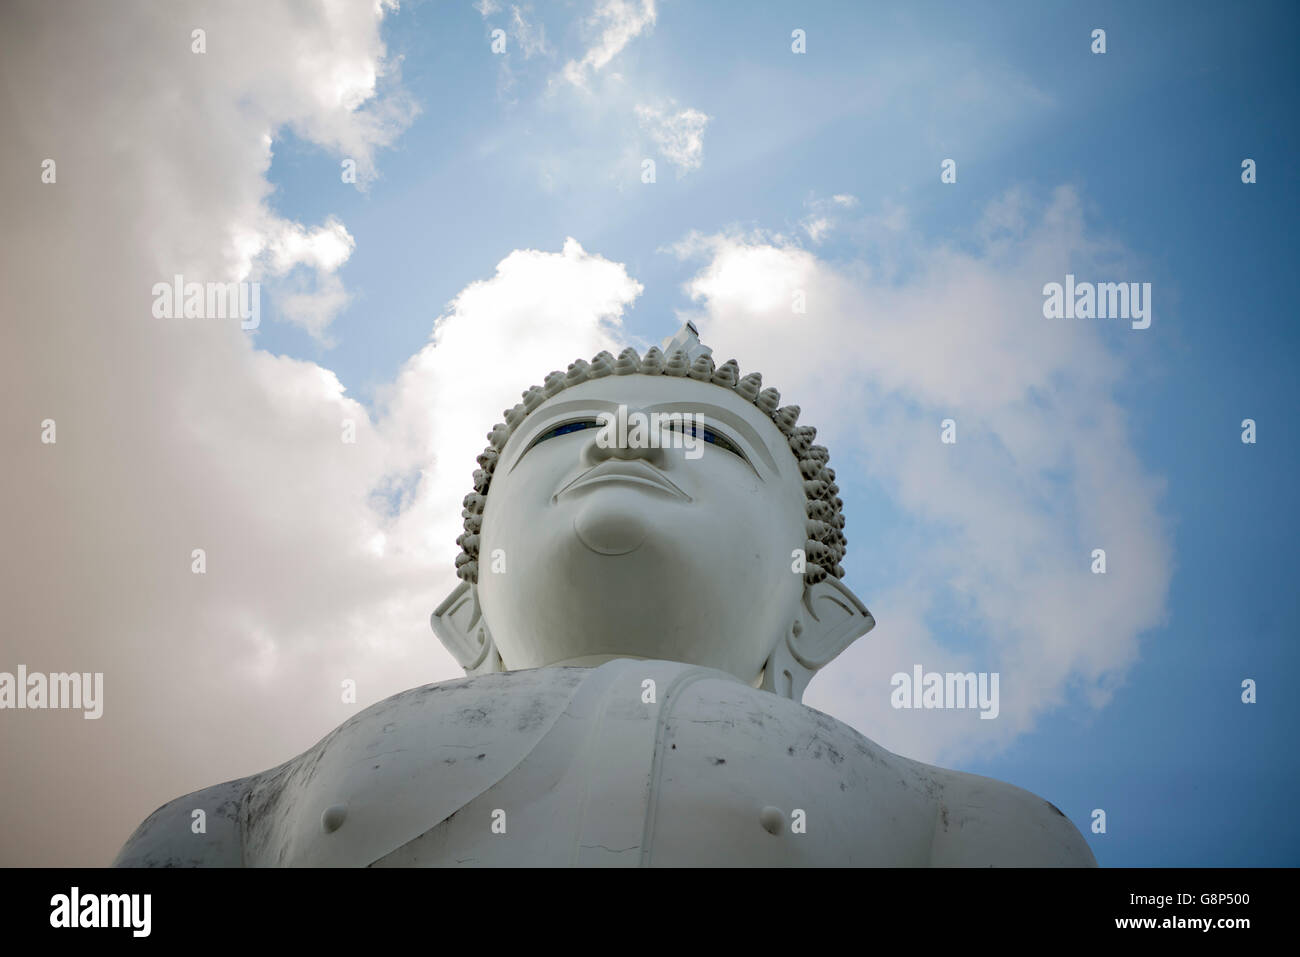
[[458, 622], [829, 619]]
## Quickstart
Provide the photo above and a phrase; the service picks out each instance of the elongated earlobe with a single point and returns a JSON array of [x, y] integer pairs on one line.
[[830, 618], [458, 623]]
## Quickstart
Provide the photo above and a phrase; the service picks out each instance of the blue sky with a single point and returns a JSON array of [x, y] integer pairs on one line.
[[1151, 134], [775, 172]]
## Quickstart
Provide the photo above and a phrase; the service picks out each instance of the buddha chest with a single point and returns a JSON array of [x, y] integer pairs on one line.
[[633, 763]]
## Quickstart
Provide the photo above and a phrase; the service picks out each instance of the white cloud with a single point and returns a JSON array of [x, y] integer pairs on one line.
[[618, 23], [817, 227], [303, 264], [825, 215], [290, 244], [313, 305], [530, 36], [679, 134], [993, 573]]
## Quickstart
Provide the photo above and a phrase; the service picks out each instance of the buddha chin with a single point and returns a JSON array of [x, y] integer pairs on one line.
[[628, 571]]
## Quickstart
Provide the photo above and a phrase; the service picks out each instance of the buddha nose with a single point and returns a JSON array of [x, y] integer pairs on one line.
[[623, 440]]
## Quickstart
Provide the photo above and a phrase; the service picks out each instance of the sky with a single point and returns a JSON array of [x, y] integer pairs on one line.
[[500, 224]]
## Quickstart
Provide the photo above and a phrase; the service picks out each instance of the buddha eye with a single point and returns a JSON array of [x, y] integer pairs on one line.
[[707, 435], [565, 429], [701, 432]]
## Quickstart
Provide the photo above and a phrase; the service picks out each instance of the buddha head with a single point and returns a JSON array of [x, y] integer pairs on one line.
[[657, 507]]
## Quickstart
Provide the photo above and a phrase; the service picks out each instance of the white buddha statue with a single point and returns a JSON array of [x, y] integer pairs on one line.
[[638, 619]]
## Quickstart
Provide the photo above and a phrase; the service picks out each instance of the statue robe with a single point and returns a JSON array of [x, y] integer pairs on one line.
[[572, 766]]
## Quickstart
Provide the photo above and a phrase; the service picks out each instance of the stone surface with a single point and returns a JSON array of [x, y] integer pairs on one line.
[[588, 774]]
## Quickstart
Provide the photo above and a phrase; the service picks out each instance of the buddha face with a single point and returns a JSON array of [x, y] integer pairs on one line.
[[603, 542]]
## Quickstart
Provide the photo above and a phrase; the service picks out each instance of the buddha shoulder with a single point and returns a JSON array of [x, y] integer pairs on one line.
[[725, 738], [982, 822], [444, 742]]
